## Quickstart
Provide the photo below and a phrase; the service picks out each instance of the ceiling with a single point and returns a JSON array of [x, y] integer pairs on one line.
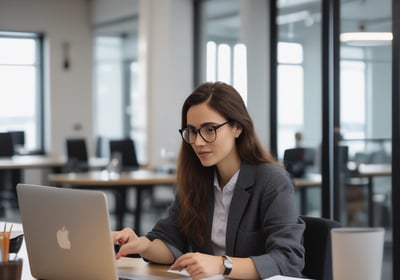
[[222, 17]]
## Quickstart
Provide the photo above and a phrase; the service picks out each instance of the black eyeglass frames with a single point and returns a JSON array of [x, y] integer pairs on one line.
[[207, 132]]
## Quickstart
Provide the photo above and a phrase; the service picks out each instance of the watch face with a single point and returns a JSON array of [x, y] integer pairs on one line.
[[227, 263]]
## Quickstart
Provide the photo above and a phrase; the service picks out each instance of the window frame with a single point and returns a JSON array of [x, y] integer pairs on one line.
[[39, 91]]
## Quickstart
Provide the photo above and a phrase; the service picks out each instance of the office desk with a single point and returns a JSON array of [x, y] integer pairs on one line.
[[16, 164], [302, 184], [370, 171], [42, 161], [11, 169], [21, 162], [140, 180], [137, 265]]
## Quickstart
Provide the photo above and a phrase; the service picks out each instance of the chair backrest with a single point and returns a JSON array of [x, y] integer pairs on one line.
[[318, 248], [77, 155], [127, 151], [6, 144], [18, 137], [297, 159]]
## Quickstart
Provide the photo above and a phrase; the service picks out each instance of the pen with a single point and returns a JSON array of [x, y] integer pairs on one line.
[[5, 245]]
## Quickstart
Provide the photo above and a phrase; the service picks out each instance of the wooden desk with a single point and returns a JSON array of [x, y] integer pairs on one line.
[[11, 169], [124, 265], [370, 171], [138, 266], [42, 161], [140, 180], [302, 184], [135, 266], [21, 162], [132, 266], [312, 180]]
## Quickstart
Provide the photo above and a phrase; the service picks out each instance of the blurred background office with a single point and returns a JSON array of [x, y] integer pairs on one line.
[[101, 70]]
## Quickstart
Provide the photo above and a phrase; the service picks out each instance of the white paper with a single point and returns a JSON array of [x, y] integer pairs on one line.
[[185, 273], [281, 277], [220, 277]]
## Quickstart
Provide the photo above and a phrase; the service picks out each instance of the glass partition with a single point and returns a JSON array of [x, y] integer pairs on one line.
[[299, 89], [366, 117]]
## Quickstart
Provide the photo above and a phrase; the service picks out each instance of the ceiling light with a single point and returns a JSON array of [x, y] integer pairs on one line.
[[366, 38]]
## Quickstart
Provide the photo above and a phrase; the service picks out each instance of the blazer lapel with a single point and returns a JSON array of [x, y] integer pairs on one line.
[[238, 206]]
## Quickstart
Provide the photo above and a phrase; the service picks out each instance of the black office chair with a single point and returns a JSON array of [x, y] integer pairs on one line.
[[8, 178], [18, 139], [77, 155], [296, 160], [318, 248], [126, 149], [6, 144]]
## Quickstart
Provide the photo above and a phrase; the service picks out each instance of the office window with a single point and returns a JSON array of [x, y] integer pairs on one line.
[[228, 64], [290, 94], [21, 86], [353, 91]]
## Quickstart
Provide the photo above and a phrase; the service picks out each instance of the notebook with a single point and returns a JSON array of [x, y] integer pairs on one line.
[[67, 233]]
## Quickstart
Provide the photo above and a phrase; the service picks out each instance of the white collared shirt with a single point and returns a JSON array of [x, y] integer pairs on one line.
[[222, 203]]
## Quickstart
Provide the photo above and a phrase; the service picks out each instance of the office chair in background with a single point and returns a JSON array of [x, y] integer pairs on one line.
[[77, 155], [6, 144], [297, 160], [8, 178], [125, 148], [18, 139], [159, 196], [318, 248]]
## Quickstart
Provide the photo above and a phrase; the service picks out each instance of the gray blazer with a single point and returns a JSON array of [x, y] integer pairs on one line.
[[263, 223]]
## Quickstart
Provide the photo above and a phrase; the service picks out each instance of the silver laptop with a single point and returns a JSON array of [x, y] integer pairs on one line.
[[67, 233]]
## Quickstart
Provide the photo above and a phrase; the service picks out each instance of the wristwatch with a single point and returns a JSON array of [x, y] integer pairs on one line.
[[227, 264]]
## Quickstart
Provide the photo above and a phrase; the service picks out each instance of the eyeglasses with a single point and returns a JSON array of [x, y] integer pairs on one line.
[[207, 132]]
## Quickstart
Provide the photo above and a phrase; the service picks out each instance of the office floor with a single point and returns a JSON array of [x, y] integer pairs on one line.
[[11, 214]]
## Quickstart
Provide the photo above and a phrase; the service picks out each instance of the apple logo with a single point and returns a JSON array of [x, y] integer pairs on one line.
[[62, 238]]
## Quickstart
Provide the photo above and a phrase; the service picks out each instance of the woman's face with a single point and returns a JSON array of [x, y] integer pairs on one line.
[[223, 150]]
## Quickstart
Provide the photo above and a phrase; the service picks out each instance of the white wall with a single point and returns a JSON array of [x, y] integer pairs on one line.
[[165, 56], [254, 20], [68, 93]]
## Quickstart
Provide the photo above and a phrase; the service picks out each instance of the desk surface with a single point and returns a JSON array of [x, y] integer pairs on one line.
[[373, 170], [104, 178], [136, 265], [313, 180], [364, 171], [143, 177], [118, 182], [42, 161]]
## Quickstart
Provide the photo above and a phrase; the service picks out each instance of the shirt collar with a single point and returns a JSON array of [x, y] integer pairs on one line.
[[230, 185]]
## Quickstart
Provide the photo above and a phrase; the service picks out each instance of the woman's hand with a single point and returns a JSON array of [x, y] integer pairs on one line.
[[129, 242], [199, 265]]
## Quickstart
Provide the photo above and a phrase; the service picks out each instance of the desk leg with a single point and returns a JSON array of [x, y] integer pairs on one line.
[[120, 208], [371, 218], [303, 201], [138, 210], [16, 178]]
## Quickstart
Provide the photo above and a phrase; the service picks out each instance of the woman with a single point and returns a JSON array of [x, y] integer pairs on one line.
[[234, 212]]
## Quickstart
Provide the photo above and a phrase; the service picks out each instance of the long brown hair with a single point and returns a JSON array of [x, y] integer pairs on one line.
[[194, 180]]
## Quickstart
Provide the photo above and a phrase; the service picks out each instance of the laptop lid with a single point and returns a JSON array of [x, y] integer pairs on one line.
[[67, 233]]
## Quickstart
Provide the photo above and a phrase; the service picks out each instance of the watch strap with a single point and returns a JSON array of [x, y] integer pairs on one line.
[[227, 265]]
